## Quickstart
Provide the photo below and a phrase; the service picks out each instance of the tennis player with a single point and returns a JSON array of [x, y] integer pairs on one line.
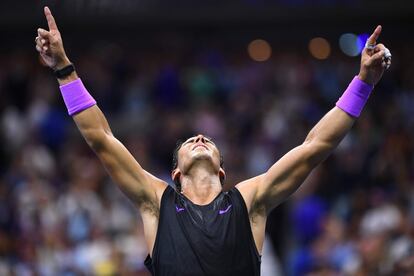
[[196, 228]]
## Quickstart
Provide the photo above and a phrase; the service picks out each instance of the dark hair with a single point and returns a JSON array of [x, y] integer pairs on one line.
[[178, 145]]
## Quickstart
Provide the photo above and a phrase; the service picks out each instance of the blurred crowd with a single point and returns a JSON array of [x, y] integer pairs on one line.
[[60, 214]]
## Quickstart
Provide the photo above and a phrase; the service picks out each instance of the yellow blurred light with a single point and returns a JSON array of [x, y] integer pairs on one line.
[[319, 48], [259, 50]]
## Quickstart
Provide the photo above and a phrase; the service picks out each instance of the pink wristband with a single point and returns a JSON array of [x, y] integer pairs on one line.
[[355, 96], [76, 97]]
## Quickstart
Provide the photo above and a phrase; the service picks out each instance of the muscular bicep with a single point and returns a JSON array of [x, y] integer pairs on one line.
[[264, 192], [139, 185], [286, 175]]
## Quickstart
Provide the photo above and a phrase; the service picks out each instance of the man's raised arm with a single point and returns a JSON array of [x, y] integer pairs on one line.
[[266, 191], [141, 187]]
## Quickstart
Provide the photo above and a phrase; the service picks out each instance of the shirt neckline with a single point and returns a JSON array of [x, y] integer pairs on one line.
[[201, 206]]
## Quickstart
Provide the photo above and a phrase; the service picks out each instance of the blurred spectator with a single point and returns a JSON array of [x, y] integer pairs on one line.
[[61, 215]]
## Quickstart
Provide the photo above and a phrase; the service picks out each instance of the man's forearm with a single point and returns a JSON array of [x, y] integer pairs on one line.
[[90, 120], [93, 126], [333, 127], [329, 132]]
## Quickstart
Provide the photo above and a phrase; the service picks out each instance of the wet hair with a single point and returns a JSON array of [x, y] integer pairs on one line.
[[178, 145]]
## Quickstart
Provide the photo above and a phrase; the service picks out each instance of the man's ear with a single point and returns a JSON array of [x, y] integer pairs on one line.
[[222, 175], [175, 175]]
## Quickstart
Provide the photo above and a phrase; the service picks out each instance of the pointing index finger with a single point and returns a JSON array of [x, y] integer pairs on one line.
[[50, 19], [372, 40]]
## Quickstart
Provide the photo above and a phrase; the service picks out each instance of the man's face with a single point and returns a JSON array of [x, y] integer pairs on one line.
[[196, 149]]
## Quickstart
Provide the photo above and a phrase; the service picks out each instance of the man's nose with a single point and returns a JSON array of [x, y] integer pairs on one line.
[[200, 138]]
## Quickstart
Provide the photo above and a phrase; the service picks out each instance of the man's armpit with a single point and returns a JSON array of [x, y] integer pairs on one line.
[[150, 208], [257, 211]]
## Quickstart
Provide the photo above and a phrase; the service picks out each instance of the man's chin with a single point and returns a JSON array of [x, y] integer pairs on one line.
[[203, 159], [202, 156]]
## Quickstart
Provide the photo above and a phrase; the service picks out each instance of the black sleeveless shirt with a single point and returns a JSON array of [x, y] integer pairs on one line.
[[209, 240]]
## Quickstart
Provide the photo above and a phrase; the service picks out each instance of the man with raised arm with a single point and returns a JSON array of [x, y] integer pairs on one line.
[[196, 228]]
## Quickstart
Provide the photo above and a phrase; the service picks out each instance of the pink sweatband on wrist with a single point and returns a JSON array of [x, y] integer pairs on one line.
[[355, 96], [76, 97]]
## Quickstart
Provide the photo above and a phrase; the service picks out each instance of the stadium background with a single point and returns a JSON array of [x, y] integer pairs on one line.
[[163, 70]]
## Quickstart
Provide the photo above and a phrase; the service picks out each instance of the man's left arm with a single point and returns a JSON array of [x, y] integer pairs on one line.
[[266, 191]]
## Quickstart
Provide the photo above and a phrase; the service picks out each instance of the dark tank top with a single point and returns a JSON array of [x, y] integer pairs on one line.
[[209, 240]]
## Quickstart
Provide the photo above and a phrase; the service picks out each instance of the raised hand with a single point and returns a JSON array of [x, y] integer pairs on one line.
[[375, 58], [49, 44]]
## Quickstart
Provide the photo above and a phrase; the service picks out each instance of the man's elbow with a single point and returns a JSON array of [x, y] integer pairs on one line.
[[96, 139], [317, 151]]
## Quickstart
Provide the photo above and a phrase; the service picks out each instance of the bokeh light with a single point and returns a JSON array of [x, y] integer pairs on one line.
[[362, 38], [319, 48], [349, 44], [259, 50]]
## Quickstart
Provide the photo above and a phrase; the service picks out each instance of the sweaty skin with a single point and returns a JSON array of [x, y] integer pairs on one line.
[[199, 159]]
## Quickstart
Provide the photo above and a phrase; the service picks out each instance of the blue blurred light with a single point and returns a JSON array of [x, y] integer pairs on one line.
[[362, 38], [349, 44]]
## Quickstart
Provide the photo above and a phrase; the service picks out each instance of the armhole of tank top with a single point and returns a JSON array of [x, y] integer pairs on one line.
[[252, 242], [154, 249]]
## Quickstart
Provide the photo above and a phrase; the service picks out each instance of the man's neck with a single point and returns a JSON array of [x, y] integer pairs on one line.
[[200, 185]]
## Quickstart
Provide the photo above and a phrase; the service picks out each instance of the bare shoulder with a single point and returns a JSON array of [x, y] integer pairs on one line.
[[158, 185], [257, 212], [150, 209], [248, 189], [149, 203]]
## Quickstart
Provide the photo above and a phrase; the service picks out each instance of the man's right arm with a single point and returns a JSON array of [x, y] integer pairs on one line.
[[141, 187]]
